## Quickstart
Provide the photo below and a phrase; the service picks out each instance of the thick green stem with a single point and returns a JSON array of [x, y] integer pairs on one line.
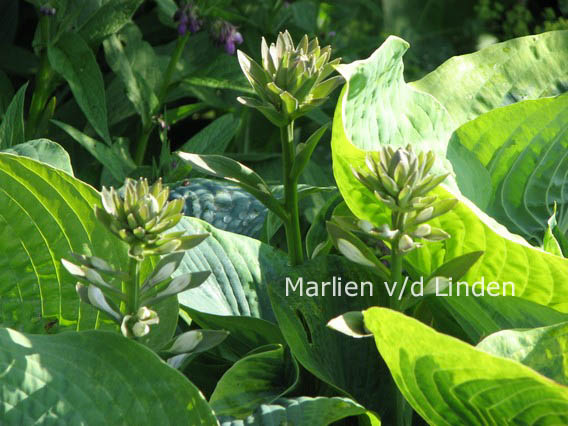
[[403, 415], [142, 144], [132, 288], [292, 226]]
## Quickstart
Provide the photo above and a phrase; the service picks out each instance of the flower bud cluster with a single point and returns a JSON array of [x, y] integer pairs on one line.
[[139, 218], [292, 79], [402, 181]]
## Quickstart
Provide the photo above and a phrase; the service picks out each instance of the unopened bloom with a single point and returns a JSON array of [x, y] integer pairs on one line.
[[402, 181], [292, 79], [142, 216]]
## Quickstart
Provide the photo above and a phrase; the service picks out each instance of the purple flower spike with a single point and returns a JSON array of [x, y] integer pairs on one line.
[[228, 36], [187, 18]]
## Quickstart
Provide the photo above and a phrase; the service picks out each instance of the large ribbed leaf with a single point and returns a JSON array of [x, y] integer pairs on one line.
[[543, 349], [44, 215], [234, 297], [524, 148], [520, 69], [92, 377], [381, 109], [46, 151], [449, 382], [302, 411], [537, 276], [222, 204]]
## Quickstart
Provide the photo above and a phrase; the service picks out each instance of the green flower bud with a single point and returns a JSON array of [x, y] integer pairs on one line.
[[292, 80], [141, 216]]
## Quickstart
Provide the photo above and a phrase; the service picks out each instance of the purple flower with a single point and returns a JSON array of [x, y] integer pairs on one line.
[[187, 18], [228, 36]]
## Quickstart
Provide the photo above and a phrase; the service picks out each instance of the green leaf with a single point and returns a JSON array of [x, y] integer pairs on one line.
[[223, 72], [305, 299], [12, 126], [537, 276], [301, 411], [394, 113], [523, 68], [556, 236], [259, 378], [450, 382], [305, 150], [118, 167], [108, 20], [549, 242], [102, 376], [138, 90], [482, 316], [354, 249], [222, 204], [72, 58], [215, 137], [317, 239], [234, 297], [44, 215], [542, 349], [172, 116], [45, 151], [472, 178], [226, 168], [524, 148]]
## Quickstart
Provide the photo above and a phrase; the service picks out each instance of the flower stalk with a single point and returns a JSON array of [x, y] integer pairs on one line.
[[291, 81]]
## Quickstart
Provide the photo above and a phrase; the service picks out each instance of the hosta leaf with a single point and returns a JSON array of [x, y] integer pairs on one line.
[[72, 58], [46, 151], [222, 204], [543, 349], [523, 68], [334, 358], [302, 411], [44, 215], [234, 297], [102, 378], [537, 276], [259, 378], [449, 382], [393, 112], [524, 148]]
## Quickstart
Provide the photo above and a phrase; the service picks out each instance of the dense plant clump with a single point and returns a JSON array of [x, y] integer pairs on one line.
[[184, 242]]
